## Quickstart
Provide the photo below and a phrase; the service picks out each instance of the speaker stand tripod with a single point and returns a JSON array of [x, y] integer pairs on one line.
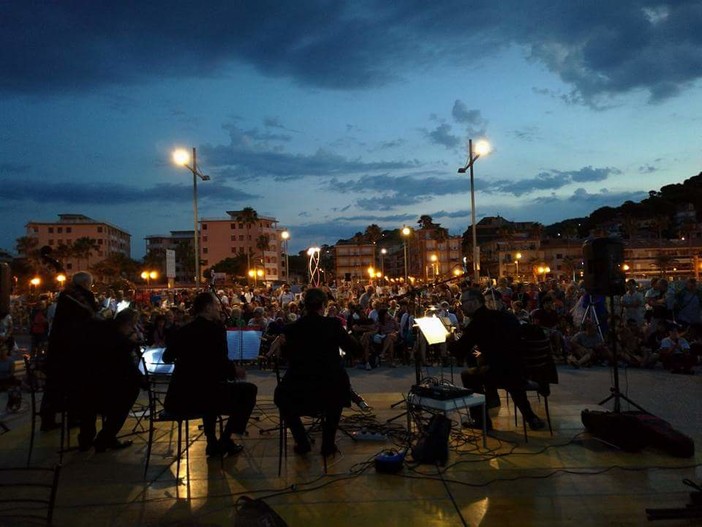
[[617, 396]]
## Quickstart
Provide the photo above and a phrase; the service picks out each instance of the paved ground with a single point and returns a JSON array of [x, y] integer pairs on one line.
[[562, 479]]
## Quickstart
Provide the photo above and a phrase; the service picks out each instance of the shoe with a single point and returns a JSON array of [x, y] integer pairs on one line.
[[363, 405], [303, 449], [114, 444], [229, 447], [535, 423], [368, 366]]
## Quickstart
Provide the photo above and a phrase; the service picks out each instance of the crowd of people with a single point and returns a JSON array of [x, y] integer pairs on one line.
[[374, 324]]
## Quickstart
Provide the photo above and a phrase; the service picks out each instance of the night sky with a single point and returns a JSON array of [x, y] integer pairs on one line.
[[333, 115]]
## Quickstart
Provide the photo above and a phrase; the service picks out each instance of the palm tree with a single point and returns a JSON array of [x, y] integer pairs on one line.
[[425, 221], [373, 233], [262, 243], [569, 266], [25, 245], [248, 216], [630, 226], [536, 230], [664, 262], [82, 248], [660, 223]]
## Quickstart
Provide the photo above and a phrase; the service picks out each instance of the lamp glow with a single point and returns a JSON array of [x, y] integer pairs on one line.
[[181, 157]]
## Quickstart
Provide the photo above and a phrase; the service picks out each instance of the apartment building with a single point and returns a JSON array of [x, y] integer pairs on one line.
[[243, 234], [62, 234]]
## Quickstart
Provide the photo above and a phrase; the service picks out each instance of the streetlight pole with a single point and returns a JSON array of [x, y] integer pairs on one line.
[[472, 158], [181, 158], [516, 262], [286, 236], [406, 232], [383, 252]]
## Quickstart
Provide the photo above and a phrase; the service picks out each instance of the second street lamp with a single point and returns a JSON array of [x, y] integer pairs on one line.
[[181, 157], [481, 148]]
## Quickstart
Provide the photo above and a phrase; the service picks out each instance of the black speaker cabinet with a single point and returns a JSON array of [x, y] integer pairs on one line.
[[603, 259]]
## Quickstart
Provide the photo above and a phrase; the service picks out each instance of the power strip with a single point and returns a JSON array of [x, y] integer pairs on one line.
[[364, 435]]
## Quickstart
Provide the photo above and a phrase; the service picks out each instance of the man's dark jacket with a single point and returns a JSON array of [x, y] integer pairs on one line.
[[199, 350], [498, 337], [316, 378]]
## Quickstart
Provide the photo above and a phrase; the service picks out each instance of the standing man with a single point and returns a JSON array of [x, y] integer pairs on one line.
[[205, 382], [75, 308], [498, 364], [316, 380]]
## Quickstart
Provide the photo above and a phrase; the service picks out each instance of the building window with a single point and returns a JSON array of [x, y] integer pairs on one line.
[[69, 266], [59, 230], [99, 241], [233, 237], [233, 250], [204, 250], [99, 229], [232, 226], [51, 230], [69, 230], [204, 226], [35, 229], [204, 238]]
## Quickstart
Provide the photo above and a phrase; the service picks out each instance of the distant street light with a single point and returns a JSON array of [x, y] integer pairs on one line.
[[181, 157], [481, 148], [148, 276], [383, 252], [518, 257], [285, 235], [61, 279], [406, 231]]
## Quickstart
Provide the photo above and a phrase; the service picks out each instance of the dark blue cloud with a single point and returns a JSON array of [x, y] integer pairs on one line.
[[599, 48], [92, 193]]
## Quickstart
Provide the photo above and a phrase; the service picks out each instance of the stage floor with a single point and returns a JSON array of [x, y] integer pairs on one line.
[[567, 478]]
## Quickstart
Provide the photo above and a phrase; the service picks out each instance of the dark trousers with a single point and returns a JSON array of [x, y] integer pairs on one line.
[[481, 381], [238, 400], [332, 416], [113, 403]]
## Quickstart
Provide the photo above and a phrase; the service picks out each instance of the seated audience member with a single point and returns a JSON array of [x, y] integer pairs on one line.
[[387, 335], [497, 364], [688, 304], [587, 346], [204, 380], [630, 339], [675, 352], [315, 380], [110, 380]]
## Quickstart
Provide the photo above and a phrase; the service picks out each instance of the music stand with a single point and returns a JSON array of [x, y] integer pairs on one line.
[[434, 332]]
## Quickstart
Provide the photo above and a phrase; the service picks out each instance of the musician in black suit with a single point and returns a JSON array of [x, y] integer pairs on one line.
[[496, 361], [205, 382], [316, 380]]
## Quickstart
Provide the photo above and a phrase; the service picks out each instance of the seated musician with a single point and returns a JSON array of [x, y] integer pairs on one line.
[[315, 380], [497, 361], [205, 382], [110, 380]]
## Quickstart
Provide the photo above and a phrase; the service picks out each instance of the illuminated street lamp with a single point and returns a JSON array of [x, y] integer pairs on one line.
[[181, 157], [148, 276], [61, 279], [313, 253], [285, 235], [434, 265], [481, 148], [406, 231], [517, 257], [383, 252], [34, 283], [256, 274]]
